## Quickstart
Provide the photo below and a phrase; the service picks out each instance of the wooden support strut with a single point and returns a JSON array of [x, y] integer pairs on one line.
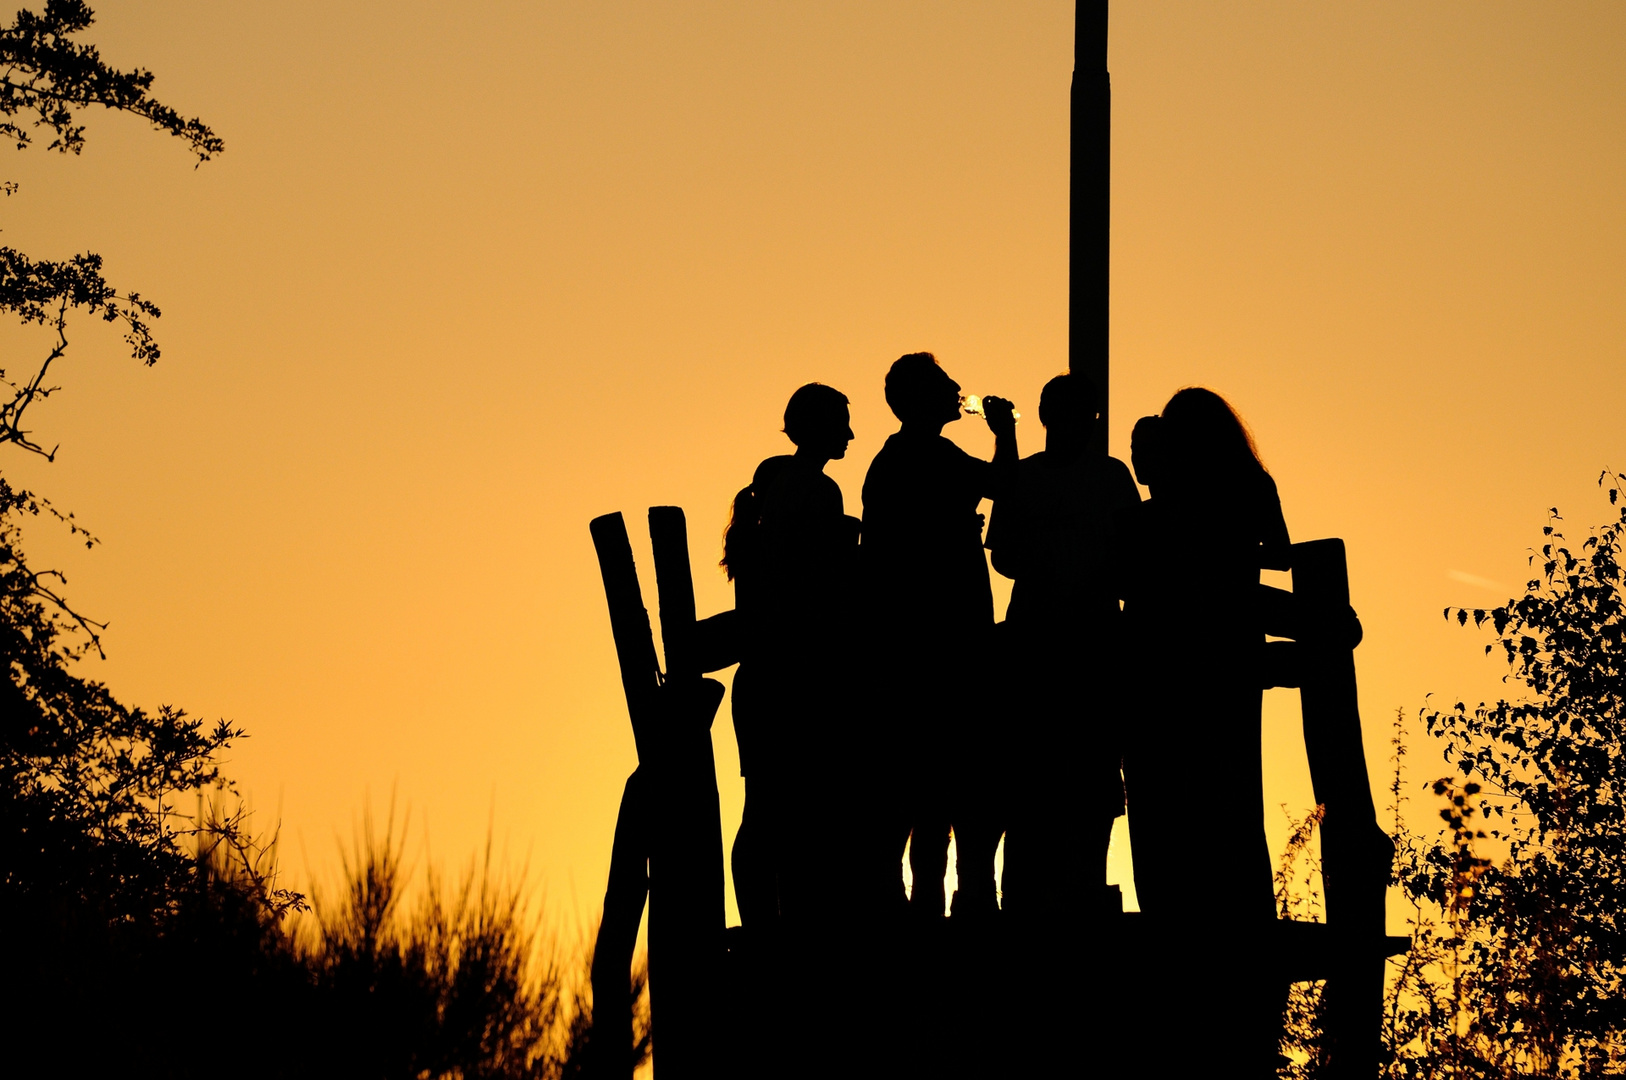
[[669, 820], [611, 1048], [686, 911], [1356, 854], [668, 838]]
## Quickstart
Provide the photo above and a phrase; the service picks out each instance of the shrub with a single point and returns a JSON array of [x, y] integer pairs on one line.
[[1519, 972]]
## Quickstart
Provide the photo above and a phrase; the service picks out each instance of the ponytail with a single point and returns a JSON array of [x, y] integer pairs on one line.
[[740, 537]]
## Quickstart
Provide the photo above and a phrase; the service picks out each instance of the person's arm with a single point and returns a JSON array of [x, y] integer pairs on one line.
[[1122, 491], [1001, 419], [1003, 543], [1274, 544]]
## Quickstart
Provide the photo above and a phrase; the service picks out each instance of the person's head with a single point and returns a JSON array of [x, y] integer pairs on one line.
[[920, 392], [1204, 442], [1145, 449], [818, 421], [1069, 406]]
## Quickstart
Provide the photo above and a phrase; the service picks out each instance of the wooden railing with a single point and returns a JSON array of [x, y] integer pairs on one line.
[[669, 844]]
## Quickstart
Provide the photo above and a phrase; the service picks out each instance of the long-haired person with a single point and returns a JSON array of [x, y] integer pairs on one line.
[[1192, 764], [790, 549]]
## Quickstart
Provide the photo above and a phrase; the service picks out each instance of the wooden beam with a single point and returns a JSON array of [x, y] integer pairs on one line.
[[1090, 200], [1356, 854]]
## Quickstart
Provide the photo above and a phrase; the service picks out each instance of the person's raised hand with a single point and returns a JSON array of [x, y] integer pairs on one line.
[[1001, 416]]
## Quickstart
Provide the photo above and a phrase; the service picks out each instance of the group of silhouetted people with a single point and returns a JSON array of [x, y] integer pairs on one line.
[[878, 706]]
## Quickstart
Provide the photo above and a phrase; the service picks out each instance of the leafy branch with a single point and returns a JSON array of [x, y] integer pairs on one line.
[[1534, 961], [43, 292], [47, 74]]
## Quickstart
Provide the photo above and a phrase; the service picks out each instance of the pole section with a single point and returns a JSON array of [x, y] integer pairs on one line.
[[1090, 199]]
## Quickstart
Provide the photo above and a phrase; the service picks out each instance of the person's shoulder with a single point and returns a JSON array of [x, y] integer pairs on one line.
[[945, 447], [826, 486], [1143, 519], [803, 490], [1265, 486], [882, 473], [1120, 480], [1116, 469], [770, 470], [894, 445]]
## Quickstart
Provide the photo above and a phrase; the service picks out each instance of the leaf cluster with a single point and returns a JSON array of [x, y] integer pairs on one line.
[[88, 785], [111, 893], [1305, 1051], [47, 75], [457, 985], [1537, 937]]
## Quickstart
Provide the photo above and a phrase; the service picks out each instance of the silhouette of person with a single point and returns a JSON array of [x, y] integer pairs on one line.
[[1143, 451], [790, 549], [1192, 763], [932, 619], [1062, 629]]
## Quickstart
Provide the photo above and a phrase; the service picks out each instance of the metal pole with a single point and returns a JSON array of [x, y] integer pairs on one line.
[[1089, 241]]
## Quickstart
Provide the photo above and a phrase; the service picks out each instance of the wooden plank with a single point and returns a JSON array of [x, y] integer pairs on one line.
[[717, 641], [610, 1051], [629, 623], [674, 582], [1355, 853], [686, 913], [1283, 665]]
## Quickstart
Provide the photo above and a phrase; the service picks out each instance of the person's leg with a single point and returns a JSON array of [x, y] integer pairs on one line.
[[755, 889], [1013, 871], [928, 858], [928, 809], [1097, 845], [976, 824], [801, 867], [878, 828], [1043, 778], [976, 842]]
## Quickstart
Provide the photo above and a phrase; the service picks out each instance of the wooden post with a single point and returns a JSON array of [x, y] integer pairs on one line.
[[669, 820], [1356, 854], [686, 862], [629, 858]]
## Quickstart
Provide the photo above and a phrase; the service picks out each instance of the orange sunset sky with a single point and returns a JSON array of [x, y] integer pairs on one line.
[[471, 274]]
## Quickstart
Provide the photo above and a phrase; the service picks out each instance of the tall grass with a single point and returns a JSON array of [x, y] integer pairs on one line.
[[389, 975], [1304, 1051], [465, 981]]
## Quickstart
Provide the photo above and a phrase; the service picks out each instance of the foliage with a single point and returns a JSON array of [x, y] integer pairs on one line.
[[120, 896], [49, 75], [121, 907], [130, 904], [1525, 965], [89, 785], [460, 985], [1298, 897], [52, 78], [1418, 1005]]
